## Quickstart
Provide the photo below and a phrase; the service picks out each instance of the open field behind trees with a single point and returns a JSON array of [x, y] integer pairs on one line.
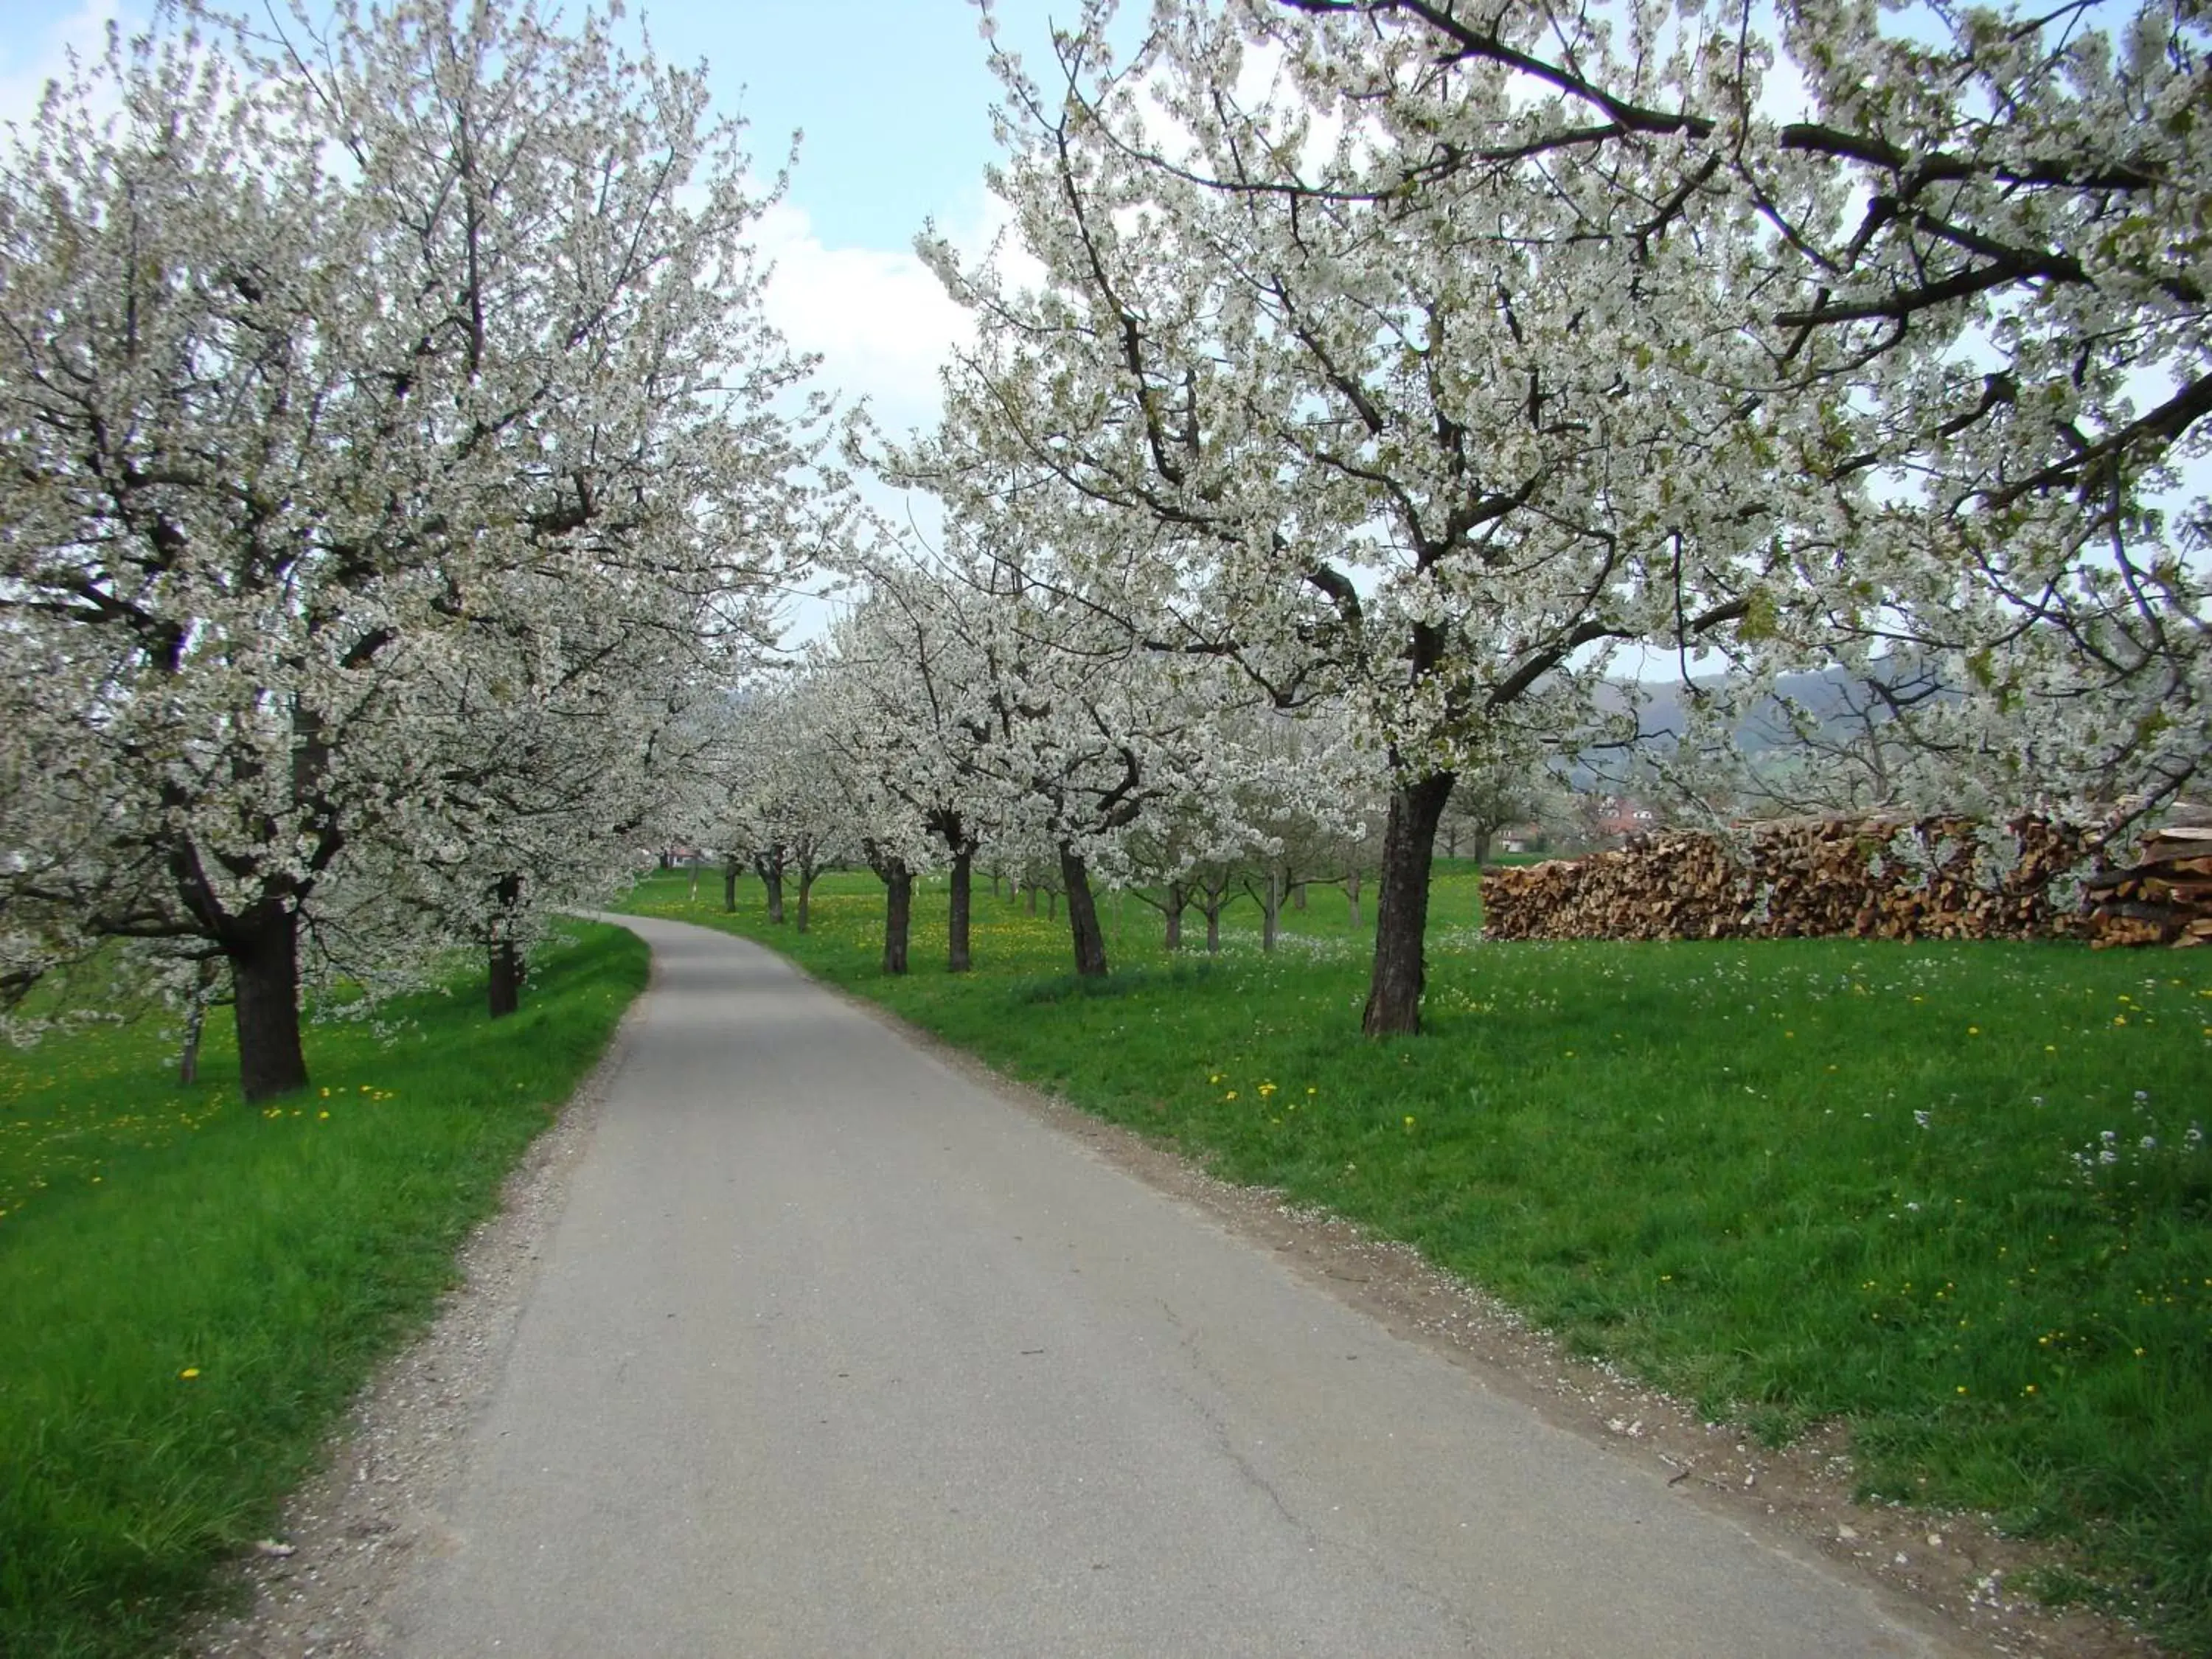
[[1955, 1195], [192, 1289]]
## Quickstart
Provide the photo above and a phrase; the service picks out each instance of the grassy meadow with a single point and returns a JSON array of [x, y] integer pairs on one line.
[[1955, 1195], [193, 1290]]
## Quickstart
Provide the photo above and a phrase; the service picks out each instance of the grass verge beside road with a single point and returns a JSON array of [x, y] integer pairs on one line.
[[192, 1289], [1955, 1195]]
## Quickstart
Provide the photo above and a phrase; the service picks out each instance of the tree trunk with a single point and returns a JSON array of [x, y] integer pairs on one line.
[[1401, 913], [1032, 900], [1083, 918], [1173, 908], [772, 878], [505, 992], [806, 890], [1052, 904], [1298, 898], [957, 959], [1351, 895], [188, 1057], [898, 916], [505, 979], [265, 975], [1213, 928], [1481, 848], [729, 886], [1271, 909]]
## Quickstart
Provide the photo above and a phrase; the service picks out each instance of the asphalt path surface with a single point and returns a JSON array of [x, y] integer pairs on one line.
[[835, 1351]]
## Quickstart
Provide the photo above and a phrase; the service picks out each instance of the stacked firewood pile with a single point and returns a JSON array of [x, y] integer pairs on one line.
[[1936, 878], [2164, 898]]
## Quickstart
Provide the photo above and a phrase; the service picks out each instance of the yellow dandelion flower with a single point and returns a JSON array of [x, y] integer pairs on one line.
[[189, 1373]]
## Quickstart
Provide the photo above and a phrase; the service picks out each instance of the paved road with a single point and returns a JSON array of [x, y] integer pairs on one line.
[[834, 1352]]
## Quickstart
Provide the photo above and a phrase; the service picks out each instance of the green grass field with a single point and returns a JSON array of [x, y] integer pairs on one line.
[[1955, 1195], [192, 1289]]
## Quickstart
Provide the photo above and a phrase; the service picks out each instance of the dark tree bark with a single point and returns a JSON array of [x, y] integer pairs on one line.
[[506, 967], [1052, 904], [264, 949], [1173, 908], [1213, 909], [770, 869], [1032, 900], [1401, 913], [1083, 917], [729, 885], [806, 891], [1298, 898], [505, 979], [957, 959], [898, 914], [1481, 848]]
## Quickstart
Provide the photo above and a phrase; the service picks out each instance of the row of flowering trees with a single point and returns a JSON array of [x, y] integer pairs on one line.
[[1428, 363], [391, 449], [962, 717], [394, 463]]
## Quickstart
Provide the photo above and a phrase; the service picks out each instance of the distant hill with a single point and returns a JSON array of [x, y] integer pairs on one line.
[[1835, 697]]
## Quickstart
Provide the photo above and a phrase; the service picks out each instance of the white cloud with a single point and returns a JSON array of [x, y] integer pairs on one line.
[[881, 321]]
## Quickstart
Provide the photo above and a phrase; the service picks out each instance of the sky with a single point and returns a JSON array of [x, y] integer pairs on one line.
[[893, 98]]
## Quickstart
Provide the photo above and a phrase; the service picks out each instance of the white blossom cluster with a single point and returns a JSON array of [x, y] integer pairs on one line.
[[391, 450], [395, 468], [1427, 359]]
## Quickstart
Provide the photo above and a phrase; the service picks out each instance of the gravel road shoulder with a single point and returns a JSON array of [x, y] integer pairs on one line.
[[321, 1585]]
